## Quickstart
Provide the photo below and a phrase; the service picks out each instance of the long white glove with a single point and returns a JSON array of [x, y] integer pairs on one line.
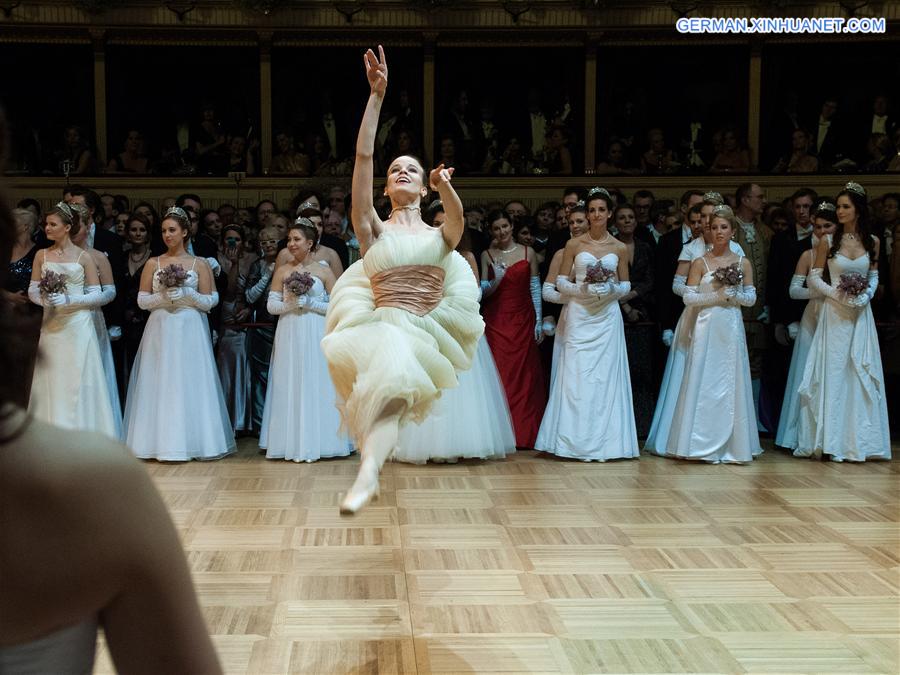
[[570, 289], [817, 283], [214, 266], [276, 306], [488, 287], [793, 330], [797, 290], [694, 298], [550, 294], [679, 283], [256, 291], [741, 295], [108, 292], [668, 336], [307, 303], [34, 293], [150, 301], [91, 298], [535, 286], [619, 289], [183, 296], [866, 296]]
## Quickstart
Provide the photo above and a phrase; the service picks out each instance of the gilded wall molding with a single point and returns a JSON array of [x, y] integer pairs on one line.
[[397, 15]]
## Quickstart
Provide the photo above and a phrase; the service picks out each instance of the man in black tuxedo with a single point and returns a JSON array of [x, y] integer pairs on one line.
[[669, 306], [828, 135]]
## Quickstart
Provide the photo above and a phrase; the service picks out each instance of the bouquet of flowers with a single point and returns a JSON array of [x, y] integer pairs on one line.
[[730, 275], [52, 282], [172, 276], [598, 274], [298, 283], [852, 283]]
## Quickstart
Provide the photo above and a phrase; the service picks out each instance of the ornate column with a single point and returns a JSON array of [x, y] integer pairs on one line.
[[265, 99], [428, 88], [590, 103], [753, 103], [98, 42]]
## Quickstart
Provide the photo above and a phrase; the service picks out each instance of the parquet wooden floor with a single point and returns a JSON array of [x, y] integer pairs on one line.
[[540, 565]]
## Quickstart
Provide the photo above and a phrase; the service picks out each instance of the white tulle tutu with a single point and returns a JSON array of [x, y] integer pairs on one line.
[[469, 421]]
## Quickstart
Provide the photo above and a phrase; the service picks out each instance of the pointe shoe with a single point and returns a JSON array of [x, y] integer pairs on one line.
[[364, 490]]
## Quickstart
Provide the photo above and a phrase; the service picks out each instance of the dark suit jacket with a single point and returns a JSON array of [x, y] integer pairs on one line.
[[783, 256], [668, 305]]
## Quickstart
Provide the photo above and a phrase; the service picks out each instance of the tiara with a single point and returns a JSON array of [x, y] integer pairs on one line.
[[713, 197], [178, 212], [825, 206], [307, 205], [598, 191], [305, 222], [580, 203], [723, 210], [855, 187], [66, 209]]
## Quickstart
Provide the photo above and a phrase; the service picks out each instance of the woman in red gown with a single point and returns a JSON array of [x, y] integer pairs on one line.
[[511, 308]]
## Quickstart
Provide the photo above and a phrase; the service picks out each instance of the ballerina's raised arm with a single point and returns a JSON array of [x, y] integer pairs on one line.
[[366, 223]]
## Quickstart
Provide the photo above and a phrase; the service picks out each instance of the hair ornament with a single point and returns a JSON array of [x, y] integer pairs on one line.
[[308, 206], [723, 210], [714, 197], [177, 212], [66, 210], [302, 221], [825, 206], [855, 187], [594, 191]]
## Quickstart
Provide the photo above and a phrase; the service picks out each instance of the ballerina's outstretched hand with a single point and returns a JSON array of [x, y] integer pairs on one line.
[[376, 70], [440, 176]]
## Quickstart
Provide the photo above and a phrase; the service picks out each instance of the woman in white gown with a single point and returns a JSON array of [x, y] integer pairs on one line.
[[300, 419], [714, 419], [108, 294], [843, 409], [69, 388], [658, 436], [589, 414], [479, 400], [824, 223], [175, 410]]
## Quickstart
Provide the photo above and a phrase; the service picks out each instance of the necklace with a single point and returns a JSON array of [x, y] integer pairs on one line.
[[508, 250], [599, 241], [409, 207]]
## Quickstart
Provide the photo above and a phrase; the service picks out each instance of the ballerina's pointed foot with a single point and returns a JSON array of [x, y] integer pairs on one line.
[[365, 489]]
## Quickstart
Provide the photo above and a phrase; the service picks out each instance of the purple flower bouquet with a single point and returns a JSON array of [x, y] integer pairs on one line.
[[730, 275], [298, 283], [598, 274], [172, 276], [52, 282], [852, 283]]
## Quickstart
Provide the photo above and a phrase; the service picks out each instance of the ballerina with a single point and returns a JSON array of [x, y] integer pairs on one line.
[[843, 409], [403, 320]]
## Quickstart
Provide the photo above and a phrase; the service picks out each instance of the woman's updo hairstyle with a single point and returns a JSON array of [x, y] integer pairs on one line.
[[70, 216], [601, 193], [724, 211], [180, 216], [308, 230]]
